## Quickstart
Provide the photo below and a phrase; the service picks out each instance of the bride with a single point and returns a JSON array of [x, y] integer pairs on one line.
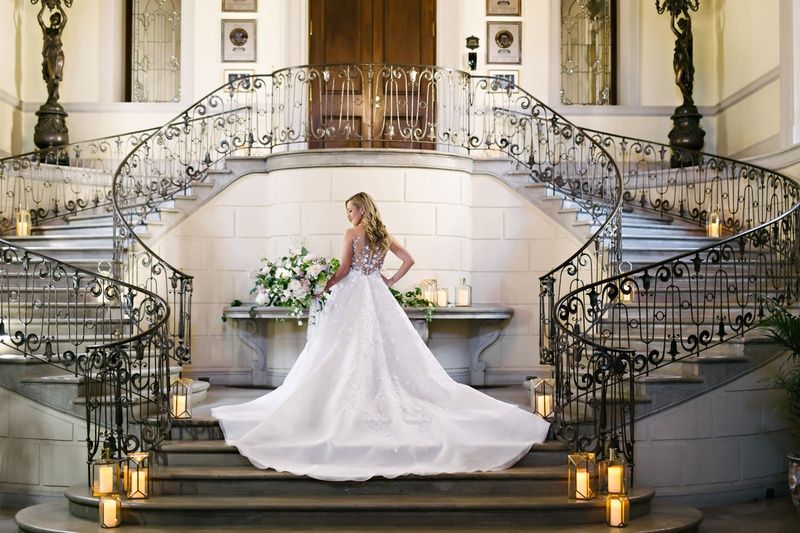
[[366, 397]]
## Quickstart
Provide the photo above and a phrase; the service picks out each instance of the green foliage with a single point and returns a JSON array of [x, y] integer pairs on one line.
[[784, 329], [413, 298]]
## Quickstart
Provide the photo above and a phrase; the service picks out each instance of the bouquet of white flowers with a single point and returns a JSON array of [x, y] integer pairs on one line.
[[293, 280]]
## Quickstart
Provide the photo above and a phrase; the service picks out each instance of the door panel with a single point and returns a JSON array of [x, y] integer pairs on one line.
[[351, 104]]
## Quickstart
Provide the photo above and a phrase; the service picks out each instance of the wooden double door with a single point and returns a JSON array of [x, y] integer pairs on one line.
[[354, 100]]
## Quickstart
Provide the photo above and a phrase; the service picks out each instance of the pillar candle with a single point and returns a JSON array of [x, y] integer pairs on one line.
[[109, 510], [138, 481], [105, 484], [582, 484], [614, 512], [178, 405], [615, 481], [544, 404]]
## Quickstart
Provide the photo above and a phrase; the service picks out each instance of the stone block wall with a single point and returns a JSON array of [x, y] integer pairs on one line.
[[455, 222]]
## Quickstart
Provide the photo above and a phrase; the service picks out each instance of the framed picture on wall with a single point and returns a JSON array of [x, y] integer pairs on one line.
[[503, 42], [507, 81], [240, 6], [505, 8], [239, 80], [238, 40]]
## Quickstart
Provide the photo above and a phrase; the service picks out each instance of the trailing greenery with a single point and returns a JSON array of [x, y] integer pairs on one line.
[[413, 298]]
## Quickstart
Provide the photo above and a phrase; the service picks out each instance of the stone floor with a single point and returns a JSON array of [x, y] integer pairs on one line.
[[775, 515]]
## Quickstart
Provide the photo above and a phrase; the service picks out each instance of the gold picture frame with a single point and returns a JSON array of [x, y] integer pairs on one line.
[[503, 42], [239, 6], [239, 40], [504, 8]]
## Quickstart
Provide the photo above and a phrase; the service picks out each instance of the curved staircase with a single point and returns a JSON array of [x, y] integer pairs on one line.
[[616, 359]]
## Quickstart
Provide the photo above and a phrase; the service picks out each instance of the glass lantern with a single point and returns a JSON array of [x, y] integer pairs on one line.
[[714, 226], [105, 474], [613, 474], [138, 476], [617, 510], [23, 222], [428, 288], [441, 297], [110, 511], [543, 395], [463, 294], [180, 398], [582, 476]]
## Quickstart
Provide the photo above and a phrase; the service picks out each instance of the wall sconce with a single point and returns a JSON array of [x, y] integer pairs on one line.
[[180, 398], [472, 57], [582, 476]]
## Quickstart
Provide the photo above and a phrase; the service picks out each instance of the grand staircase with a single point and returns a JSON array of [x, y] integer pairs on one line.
[[640, 355]]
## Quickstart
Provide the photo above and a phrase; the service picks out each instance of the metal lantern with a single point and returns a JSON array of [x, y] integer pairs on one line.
[[110, 511], [137, 476], [105, 475], [613, 474], [428, 288], [617, 510], [180, 398], [23, 222], [582, 476], [543, 396], [463, 294], [714, 226]]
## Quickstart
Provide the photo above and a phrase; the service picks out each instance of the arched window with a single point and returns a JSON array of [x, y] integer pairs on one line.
[[588, 50], [154, 51]]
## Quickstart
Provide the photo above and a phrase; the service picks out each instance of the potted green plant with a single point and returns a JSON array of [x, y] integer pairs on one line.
[[784, 328]]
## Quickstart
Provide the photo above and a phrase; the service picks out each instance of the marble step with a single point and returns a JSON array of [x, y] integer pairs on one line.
[[244, 480], [216, 452], [58, 241], [54, 517], [343, 509]]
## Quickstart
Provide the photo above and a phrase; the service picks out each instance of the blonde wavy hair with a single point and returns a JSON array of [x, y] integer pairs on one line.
[[377, 235]]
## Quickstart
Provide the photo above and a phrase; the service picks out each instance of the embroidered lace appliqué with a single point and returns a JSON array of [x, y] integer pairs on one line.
[[365, 259]]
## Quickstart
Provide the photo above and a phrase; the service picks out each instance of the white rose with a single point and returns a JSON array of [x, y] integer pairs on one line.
[[312, 257], [301, 293], [282, 273], [262, 298], [295, 286]]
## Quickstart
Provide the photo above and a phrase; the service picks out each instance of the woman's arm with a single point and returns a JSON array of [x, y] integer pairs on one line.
[[397, 249], [347, 259]]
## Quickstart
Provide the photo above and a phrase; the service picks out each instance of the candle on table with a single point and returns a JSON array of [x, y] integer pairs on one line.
[[615, 478], [106, 482], [441, 297], [582, 484], [138, 487]]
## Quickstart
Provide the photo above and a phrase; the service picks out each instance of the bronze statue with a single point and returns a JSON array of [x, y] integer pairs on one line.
[[52, 54], [686, 135], [51, 129]]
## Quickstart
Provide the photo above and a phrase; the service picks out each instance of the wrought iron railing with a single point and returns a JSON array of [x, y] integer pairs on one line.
[[608, 332], [593, 350]]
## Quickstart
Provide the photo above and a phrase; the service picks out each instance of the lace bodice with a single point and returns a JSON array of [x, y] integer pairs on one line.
[[365, 259]]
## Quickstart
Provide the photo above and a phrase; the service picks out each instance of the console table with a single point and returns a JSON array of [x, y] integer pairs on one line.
[[486, 322]]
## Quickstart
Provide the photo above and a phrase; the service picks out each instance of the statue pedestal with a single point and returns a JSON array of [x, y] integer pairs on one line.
[[51, 133], [686, 134]]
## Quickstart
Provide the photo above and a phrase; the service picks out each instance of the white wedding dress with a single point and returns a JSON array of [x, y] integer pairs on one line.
[[367, 398]]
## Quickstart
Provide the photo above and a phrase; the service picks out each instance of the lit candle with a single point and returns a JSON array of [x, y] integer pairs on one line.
[[23, 229], [179, 406], [615, 478], [109, 512], [463, 296], [544, 404], [715, 229], [582, 484], [138, 481], [441, 297], [614, 512], [105, 484]]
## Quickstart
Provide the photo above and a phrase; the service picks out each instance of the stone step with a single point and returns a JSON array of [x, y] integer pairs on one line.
[[342, 509], [54, 517], [52, 241], [246, 480], [217, 452], [72, 252]]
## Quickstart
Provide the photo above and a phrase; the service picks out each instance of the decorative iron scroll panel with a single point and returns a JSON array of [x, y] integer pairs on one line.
[[587, 52]]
